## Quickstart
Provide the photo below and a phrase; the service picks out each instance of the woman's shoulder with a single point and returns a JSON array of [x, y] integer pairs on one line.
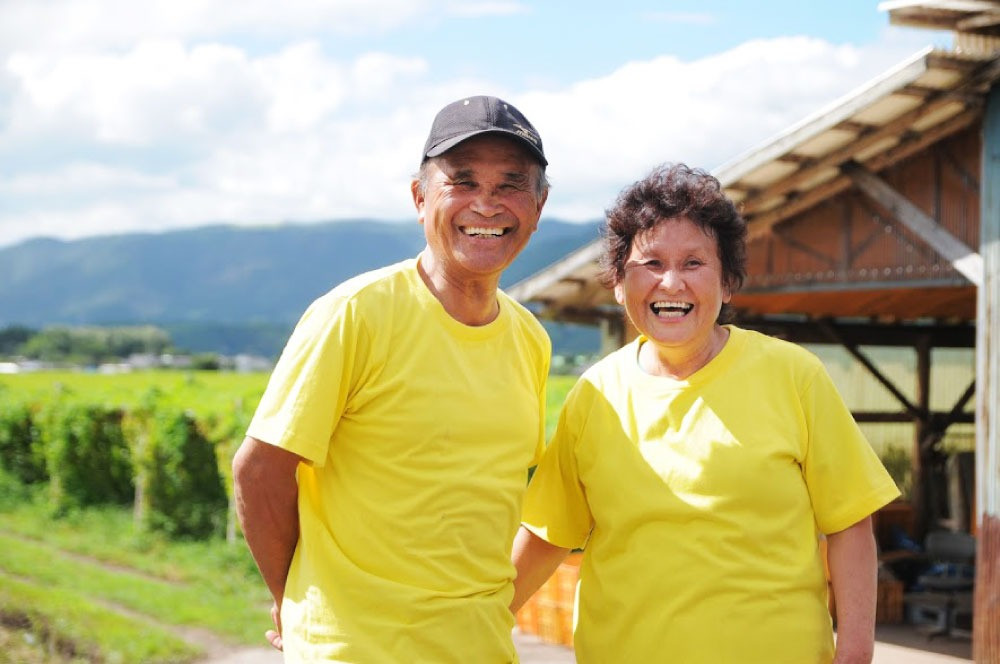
[[775, 351]]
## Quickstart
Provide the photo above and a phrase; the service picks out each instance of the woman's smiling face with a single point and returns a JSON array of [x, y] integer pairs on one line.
[[672, 288]]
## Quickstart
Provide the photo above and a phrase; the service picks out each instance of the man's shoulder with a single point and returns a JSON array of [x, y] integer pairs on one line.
[[388, 276], [523, 317], [365, 284]]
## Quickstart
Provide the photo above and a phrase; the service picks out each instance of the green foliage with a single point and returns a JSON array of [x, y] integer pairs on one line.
[[12, 337], [21, 452], [86, 455], [12, 491], [897, 461], [93, 345], [182, 486], [205, 362]]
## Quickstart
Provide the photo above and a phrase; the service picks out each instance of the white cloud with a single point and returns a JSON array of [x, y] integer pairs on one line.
[[73, 26], [158, 91], [111, 133]]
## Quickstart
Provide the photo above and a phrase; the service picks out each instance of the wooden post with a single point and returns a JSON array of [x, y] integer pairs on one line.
[[986, 620], [925, 495]]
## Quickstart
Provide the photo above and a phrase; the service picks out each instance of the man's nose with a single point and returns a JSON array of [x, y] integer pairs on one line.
[[487, 202]]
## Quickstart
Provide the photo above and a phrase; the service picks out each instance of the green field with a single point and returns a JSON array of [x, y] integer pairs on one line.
[[203, 392]]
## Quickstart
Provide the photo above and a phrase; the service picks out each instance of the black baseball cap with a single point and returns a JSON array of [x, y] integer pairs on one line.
[[465, 118]]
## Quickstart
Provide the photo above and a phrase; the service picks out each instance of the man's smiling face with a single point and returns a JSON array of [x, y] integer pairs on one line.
[[479, 205]]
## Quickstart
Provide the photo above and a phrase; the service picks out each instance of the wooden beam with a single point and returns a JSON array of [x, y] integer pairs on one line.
[[902, 417], [893, 129], [964, 259], [918, 91], [916, 412], [761, 223], [979, 22], [956, 414], [986, 616]]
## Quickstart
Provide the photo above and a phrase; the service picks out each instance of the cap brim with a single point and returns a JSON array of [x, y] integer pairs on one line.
[[448, 144]]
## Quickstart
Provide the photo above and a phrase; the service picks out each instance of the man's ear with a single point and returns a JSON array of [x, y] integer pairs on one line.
[[541, 202], [418, 199]]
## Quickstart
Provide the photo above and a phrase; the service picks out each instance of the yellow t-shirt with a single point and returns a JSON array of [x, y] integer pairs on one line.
[[419, 432], [700, 503]]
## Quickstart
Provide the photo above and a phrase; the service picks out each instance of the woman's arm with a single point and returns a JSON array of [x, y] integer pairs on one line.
[[853, 563], [535, 561]]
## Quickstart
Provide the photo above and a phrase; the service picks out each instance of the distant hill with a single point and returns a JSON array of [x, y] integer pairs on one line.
[[228, 288]]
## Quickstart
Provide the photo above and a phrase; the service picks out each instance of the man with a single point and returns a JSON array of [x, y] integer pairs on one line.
[[379, 486]]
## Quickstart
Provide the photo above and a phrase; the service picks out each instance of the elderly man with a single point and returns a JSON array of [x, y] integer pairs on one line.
[[379, 486]]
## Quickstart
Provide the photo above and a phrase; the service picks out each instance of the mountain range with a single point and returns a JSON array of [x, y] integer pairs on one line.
[[230, 289]]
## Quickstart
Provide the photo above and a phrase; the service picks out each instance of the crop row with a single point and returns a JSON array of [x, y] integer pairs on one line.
[[169, 462]]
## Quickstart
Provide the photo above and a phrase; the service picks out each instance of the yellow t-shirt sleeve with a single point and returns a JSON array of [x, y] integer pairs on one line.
[[555, 504], [845, 478], [311, 383]]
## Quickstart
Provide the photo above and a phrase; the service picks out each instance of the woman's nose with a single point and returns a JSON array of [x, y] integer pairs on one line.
[[670, 279]]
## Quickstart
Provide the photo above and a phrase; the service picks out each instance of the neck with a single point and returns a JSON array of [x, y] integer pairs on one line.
[[681, 363], [469, 301]]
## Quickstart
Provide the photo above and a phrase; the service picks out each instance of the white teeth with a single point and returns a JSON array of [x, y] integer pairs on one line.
[[478, 230], [671, 309]]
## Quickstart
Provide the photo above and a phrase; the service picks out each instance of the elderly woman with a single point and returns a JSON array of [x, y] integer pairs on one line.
[[699, 465]]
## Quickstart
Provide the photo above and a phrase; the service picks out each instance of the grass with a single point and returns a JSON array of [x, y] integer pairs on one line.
[[69, 581], [558, 388], [206, 393], [69, 626]]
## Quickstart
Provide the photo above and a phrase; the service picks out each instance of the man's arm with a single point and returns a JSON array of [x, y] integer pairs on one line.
[[266, 493], [535, 561], [853, 563]]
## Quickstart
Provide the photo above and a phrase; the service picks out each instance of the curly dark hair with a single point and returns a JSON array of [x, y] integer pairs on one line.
[[668, 192]]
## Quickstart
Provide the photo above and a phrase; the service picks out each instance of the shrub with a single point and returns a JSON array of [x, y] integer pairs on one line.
[[181, 486], [86, 455], [21, 452]]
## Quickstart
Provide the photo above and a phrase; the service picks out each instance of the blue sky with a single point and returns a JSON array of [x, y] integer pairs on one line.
[[118, 115]]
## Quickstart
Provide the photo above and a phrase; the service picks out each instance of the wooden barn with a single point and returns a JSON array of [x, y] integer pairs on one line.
[[876, 222]]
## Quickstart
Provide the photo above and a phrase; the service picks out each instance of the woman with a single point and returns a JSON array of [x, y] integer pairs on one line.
[[699, 465]]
